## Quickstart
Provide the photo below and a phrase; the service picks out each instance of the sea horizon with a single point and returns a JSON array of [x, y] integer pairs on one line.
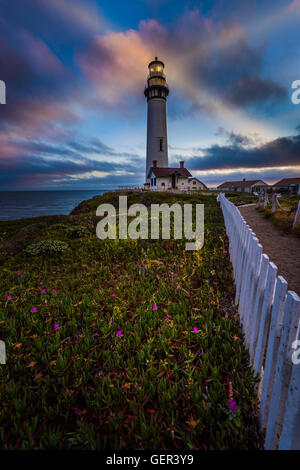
[[23, 204]]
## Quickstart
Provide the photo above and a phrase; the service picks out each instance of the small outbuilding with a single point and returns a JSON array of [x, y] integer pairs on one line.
[[289, 185], [162, 179], [247, 186], [195, 184]]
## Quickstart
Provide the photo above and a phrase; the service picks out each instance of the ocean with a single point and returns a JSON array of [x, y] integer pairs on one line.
[[22, 204]]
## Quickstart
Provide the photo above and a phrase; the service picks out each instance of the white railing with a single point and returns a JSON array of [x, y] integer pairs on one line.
[[263, 197], [269, 315]]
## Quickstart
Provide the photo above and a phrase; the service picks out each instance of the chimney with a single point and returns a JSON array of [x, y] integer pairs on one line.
[[244, 179], [154, 163], [181, 164]]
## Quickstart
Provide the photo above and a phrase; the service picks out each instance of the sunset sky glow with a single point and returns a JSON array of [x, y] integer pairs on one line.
[[75, 113]]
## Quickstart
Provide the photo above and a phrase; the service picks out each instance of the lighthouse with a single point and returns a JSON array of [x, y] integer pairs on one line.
[[156, 92]]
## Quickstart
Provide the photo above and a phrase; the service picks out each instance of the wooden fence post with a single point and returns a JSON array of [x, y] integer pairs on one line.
[[259, 200], [256, 254], [246, 275], [283, 371], [290, 436], [266, 201], [258, 304], [265, 318], [273, 346], [2, 352], [297, 217], [245, 241], [274, 197]]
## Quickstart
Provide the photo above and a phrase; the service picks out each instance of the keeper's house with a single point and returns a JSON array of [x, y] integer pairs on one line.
[[195, 184], [244, 186], [288, 185], [162, 179]]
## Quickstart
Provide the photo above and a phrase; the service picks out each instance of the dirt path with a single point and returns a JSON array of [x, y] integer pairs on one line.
[[283, 249]]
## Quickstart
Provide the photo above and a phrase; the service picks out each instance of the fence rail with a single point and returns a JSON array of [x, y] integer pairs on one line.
[[269, 315], [264, 197]]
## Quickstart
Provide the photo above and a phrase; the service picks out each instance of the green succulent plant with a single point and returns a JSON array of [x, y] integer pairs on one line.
[[46, 247]]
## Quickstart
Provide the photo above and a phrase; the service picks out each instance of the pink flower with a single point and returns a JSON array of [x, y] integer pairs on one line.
[[56, 326], [113, 295], [41, 282], [119, 333], [232, 405], [43, 291], [8, 297], [195, 329], [21, 275], [53, 290], [34, 309], [154, 307], [140, 266], [225, 251]]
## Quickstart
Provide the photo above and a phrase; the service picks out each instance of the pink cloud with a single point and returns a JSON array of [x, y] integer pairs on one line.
[[116, 62], [116, 65], [294, 6]]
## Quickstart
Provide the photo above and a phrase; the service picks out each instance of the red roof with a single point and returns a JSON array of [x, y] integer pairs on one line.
[[240, 184], [163, 172], [287, 182]]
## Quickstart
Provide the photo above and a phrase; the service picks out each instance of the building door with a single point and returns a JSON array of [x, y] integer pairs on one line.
[[173, 181]]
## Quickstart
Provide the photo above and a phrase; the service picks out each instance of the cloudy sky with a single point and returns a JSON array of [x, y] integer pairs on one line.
[[75, 72]]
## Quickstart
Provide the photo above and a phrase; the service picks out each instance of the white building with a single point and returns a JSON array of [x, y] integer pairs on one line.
[[247, 186], [289, 185], [195, 184], [162, 179]]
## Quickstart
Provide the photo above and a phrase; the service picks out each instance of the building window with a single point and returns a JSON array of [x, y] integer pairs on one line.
[[160, 145], [154, 181], [194, 182], [163, 184]]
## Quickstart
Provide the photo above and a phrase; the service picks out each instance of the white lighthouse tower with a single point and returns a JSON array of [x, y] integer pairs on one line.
[[156, 92]]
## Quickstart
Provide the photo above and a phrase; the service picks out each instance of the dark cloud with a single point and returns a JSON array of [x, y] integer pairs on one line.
[[235, 139], [39, 163], [252, 90], [284, 151], [40, 171]]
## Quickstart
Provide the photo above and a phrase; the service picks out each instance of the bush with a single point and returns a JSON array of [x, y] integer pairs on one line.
[[58, 226], [46, 247], [77, 231]]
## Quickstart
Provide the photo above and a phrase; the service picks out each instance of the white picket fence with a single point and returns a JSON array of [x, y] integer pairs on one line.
[[269, 315]]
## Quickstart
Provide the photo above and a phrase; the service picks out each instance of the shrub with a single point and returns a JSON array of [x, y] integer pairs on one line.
[[77, 231], [58, 226], [46, 247]]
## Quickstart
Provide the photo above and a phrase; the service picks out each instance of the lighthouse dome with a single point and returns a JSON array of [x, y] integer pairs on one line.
[[156, 67]]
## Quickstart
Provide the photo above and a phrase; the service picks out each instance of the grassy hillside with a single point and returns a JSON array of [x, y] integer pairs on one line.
[[121, 344]]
